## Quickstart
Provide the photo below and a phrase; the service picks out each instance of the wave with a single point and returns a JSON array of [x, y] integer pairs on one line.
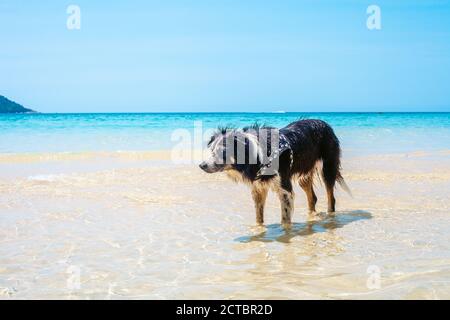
[[46, 177], [88, 155]]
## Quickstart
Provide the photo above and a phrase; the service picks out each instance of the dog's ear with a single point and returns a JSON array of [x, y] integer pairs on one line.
[[221, 131], [213, 137]]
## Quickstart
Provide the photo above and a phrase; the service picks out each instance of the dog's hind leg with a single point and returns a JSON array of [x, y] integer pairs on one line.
[[331, 199], [286, 196], [259, 194], [331, 160], [330, 172], [306, 183]]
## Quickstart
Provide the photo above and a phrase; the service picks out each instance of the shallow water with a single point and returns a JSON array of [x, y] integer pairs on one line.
[[133, 225], [89, 209]]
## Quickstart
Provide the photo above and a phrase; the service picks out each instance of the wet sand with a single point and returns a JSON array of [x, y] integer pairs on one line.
[[133, 225]]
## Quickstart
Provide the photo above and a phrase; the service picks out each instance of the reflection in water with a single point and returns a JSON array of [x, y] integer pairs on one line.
[[275, 232], [294, 262]]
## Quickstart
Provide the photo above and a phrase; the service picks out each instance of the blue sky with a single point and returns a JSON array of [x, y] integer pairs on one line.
[[151, 56]]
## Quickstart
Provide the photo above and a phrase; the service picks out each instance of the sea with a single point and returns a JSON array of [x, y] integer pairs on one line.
[[360, 133]]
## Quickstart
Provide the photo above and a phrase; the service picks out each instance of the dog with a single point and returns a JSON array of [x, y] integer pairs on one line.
[[266, 158]]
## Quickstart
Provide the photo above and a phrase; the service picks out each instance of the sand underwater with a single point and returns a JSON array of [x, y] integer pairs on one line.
[[132, 225]]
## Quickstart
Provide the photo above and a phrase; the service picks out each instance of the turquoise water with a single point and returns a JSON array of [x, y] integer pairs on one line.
[[366, 133]]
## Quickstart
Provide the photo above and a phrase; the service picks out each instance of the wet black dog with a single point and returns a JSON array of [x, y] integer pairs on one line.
[[266, 157]]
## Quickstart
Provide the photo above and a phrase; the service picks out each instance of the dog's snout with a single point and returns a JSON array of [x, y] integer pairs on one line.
[[203, 165]]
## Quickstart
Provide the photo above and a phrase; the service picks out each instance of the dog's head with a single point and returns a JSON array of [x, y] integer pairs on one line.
[[231, 148]]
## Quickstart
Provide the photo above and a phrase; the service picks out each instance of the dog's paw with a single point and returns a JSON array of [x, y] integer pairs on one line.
[[331, 213], [314, 215], [286, 226]]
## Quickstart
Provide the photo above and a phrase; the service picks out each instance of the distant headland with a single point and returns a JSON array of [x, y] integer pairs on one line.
[[8, 106]]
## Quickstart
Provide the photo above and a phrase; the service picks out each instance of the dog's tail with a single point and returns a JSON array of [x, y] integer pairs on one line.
[[344, 186]]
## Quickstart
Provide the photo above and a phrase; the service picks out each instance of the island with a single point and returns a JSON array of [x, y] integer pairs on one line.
[[8, 106]]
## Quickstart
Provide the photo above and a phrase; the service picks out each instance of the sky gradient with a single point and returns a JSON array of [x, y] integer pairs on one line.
[[186, 56]]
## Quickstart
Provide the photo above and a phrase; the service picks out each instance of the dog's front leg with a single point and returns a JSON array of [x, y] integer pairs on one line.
[[259, 194], [286, 196]]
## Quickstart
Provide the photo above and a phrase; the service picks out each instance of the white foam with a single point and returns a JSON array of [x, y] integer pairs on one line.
[[46, 177]]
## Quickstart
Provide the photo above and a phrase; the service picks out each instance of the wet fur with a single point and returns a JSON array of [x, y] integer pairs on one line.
[[312, 142]]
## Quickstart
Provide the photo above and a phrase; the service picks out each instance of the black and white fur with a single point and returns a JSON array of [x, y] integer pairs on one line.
[[301, 146]]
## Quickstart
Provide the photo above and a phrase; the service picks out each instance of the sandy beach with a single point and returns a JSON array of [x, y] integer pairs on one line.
[[133, 225]]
